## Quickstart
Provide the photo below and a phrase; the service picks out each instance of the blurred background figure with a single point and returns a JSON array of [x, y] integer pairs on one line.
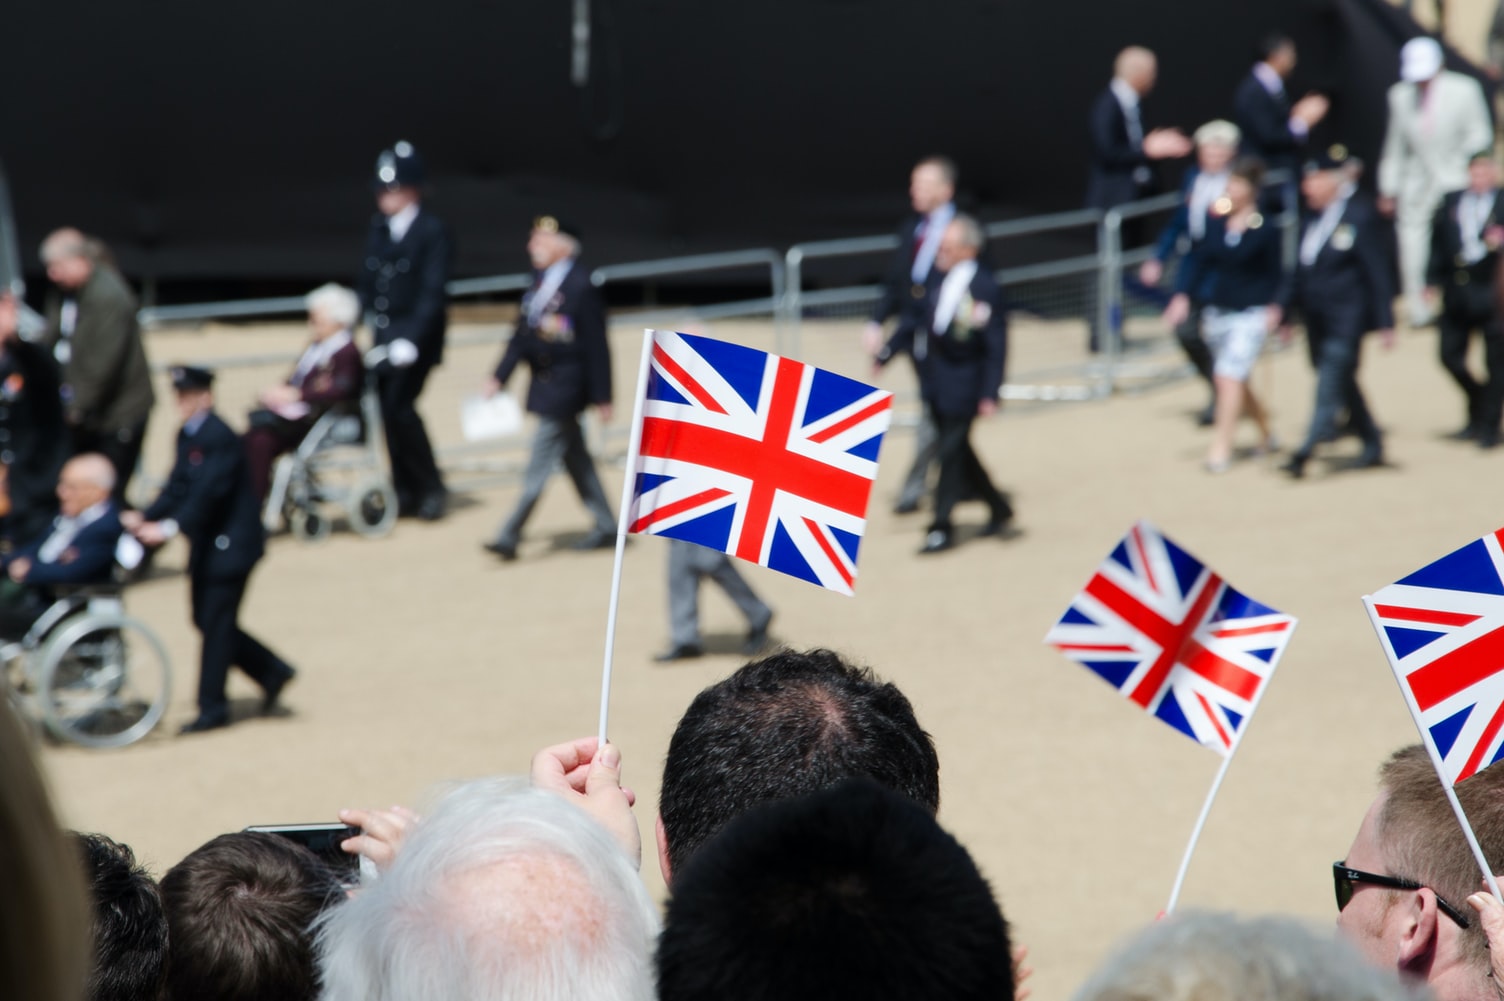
[[33, 436], [688, 564], [328, 374], [1463, 275], [932, 193], [1205, 182], [93, 334], [1218, 957], [129, 930], [407, 263], [1273, 129], [1437, 121]]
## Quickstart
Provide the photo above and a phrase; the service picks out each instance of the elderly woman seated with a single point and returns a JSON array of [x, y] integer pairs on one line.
[[330, 372]]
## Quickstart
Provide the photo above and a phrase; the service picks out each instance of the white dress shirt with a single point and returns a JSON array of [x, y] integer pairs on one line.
[[952, 290], [1472, 215], [1322, 229], [401, 222], [1206, 189], [65, 530], [934, 229], [1128, 101], [547, 286]]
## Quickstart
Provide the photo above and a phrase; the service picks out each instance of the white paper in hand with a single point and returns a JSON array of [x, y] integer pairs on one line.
[[483, 417]]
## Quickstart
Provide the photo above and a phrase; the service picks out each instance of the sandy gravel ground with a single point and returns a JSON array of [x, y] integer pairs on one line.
[[424, 659]]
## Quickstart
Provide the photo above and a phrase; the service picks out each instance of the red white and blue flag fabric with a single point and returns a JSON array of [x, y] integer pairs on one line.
[[1443, 630], [1174, 638], [765, 458]]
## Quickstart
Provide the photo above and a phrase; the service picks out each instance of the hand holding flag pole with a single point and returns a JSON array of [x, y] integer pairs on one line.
[[1442, 628], [1174, 638]]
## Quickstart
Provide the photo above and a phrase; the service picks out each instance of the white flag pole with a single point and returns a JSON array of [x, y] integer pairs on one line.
[[1211, 796], [623, 521], [1436, 760]]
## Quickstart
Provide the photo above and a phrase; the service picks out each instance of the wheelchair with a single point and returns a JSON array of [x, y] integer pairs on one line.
[[343, 440], [87, 671]]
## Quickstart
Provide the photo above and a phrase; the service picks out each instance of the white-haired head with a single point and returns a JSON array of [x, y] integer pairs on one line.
[[1219, 957], [501, 893], [337, 304], [1219, 132]]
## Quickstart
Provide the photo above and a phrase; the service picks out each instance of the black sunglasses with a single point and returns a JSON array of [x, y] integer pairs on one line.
[[1343, 877]]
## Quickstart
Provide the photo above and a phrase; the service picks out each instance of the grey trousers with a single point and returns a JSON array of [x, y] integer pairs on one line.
[[559, 441], [926, 455], [687, 563]]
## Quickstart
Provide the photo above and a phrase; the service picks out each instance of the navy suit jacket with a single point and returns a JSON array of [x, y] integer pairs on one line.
[[1348, 290], [898, 296], [567, 350], [209, 495], [964, 364], [402, 284], [1465, 288], [1264, 119], [1114, 156], [1239, 275], [89, 558]]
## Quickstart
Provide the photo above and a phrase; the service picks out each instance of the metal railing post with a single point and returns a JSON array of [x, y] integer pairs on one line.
[[793, 302], [1110, 299]]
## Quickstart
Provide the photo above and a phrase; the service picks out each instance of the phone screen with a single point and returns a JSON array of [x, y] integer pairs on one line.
[[323, 840]]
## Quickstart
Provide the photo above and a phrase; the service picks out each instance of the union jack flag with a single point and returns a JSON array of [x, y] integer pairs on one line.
[[1443, 630], [762, 457], [1174, 638]]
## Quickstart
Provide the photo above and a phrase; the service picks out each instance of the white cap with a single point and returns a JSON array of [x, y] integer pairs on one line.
[[1420, 59]]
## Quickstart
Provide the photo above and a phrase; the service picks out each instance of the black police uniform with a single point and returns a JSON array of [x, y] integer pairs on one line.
[[34, 441], [564, 344], [402, 289], [1344, 293], [209, 495], [1468, 304]]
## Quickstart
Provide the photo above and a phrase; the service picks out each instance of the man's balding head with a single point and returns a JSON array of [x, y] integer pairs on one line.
[[68, 256], [1137, 67], [86, 480], [784, 726]]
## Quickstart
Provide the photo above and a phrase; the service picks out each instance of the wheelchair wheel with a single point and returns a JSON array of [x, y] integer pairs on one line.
[[373, 507], [104, 680], [309, 525]]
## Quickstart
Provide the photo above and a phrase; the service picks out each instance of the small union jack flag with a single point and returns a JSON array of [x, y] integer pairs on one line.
[[1174, 638], [762, 457], [1443, 630]]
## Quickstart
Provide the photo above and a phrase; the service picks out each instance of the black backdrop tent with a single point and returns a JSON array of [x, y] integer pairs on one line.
[[220, 144]]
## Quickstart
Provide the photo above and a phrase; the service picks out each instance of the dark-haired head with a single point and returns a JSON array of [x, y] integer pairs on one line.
[[784, 726], [853, 891], [129, 926]]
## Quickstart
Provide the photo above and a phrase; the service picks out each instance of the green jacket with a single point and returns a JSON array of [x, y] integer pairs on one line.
[[106, 380]]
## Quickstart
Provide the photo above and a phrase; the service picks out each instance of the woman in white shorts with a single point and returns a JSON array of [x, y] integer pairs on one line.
[[1241, 250]]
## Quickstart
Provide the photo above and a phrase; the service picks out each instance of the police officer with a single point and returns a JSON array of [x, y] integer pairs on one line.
[[1342, 287], [208, 500], [1465, 239], [408, 254], [561, 334], [33, 437]]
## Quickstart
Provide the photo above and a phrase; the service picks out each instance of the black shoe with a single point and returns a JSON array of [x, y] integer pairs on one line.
[[206, 721], [433, 507], [1372, 458], [595, 540], [506, 550], [274, 690], [996, 525], [757, 639], [682, 651], [935, 542], [1488, 439], [906, 507], [1207, 417], [1296, 465], [1465, 434]]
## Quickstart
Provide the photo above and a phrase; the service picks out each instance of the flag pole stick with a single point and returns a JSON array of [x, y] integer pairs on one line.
[[622, 523], [1190, 849], [1436, 761]]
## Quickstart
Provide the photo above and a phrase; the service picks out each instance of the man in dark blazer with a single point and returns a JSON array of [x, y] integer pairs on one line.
[[561, 334], [1342, 287], [78, 548], [1465, 239], [407, 261], [932, 193], [966, 326], [93, 334], [1122, 151], [208, 501], [1273, 129], [33, 436]]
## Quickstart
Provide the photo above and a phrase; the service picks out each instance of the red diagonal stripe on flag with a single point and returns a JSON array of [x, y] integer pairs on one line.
[[1431, 615], [1211, 715], [1098, 647], [690, 383], [1268, 627], [669, 510], [1475, 760], [1220, 671], [852, 421], [1168, 636], [830, 552], [1462, 668]]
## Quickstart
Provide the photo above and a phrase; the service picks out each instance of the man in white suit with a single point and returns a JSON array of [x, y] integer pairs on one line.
[[1437, 121]]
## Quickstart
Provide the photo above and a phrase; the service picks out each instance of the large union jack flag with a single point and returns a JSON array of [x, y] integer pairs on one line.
[[1443, 629], [762, 457], [1174, 638]]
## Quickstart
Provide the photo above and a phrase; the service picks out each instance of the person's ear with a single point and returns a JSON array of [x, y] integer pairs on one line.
[[1416, 916], [662, 841]]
